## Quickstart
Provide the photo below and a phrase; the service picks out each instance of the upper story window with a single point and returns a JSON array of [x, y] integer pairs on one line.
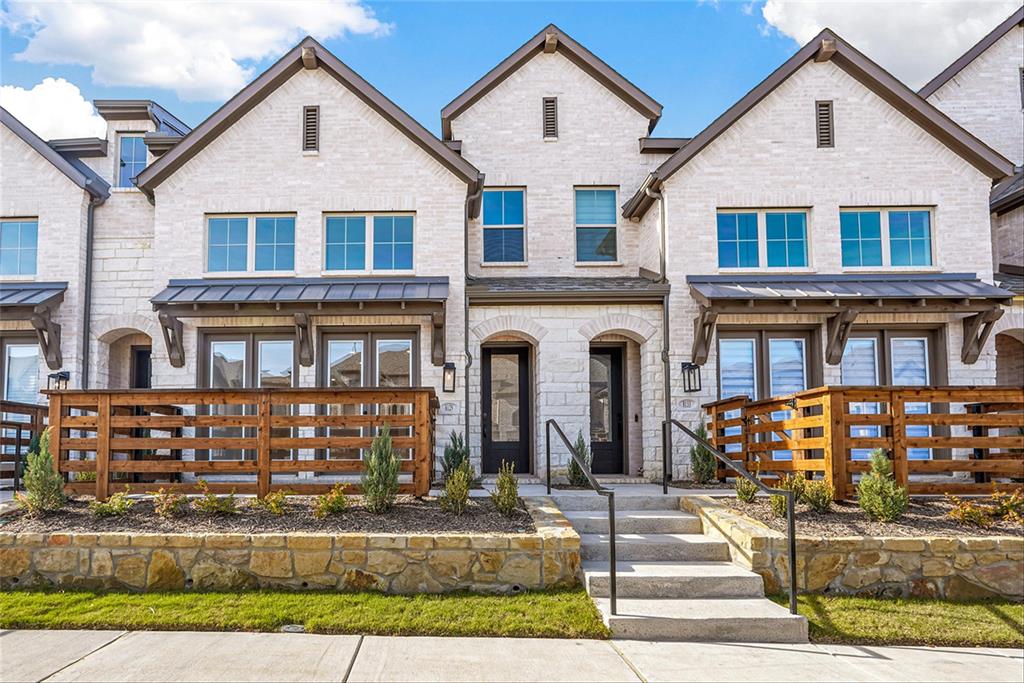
[[504, 224], [596, 220], [361, 243], [784, 244], [345, 243], [392, 243], [865, 233], [19, 242], [132, 159], [235, 242]]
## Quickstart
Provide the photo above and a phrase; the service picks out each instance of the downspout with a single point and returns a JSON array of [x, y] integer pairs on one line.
[[465, 296], [87, 286], [665, 336]]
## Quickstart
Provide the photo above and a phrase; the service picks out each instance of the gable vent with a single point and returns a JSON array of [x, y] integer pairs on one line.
[[310, 129], [550, 117], [825, 123]]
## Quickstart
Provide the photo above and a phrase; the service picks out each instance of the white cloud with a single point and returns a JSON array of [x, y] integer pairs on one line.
[[202, 50], [54, 108], [912, 40]]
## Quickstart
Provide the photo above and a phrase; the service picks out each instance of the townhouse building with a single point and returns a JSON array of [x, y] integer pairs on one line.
[[546, 258]]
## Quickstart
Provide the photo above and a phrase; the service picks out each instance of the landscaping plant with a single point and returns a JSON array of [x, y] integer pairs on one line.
[[777, 505], [878, 494], [577, 477], [746, 490], [455, 454], [795, 483], [455, 496], [968, 512], [117, 505], [506, 490], [272, 502], [818, 495], [380, 478], [1008, 507], [334, 502], [44, 488], [703, 463], [168, 504], [85, 477], [211, 504]]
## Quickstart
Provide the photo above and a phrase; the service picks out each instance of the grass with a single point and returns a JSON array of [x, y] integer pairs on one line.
[[877, 621], [549, 614]]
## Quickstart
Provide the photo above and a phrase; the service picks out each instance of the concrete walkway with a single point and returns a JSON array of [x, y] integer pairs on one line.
[[189, 656]]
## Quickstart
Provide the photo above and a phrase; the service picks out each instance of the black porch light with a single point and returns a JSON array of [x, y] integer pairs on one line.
[[58, 380], [448, 380], [691, 377]]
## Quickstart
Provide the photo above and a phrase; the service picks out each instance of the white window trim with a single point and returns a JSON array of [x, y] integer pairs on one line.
[[250, 246], [886, 247], [762, 240], [368, 216], [121, 134], [617, 262], [484, 228], [23, 277]]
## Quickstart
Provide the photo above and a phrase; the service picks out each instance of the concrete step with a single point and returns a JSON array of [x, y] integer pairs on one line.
[[635, 521], [580, 501], [654, 547], [750, 620], [673, 580]]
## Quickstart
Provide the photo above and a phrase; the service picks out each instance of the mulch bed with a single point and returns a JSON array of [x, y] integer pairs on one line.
[[410, 515], [923, 518], [687, 484]]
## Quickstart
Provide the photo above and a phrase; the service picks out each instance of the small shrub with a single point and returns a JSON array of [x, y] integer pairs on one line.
[[703, 463], [272, 502], [577, 477], [1008, 507], [795, 483], [211, 504], [44, 488], [455, 497], [380, 478], [85, 477], [168, 504], [334, 502], [778, 505], [968, 512], [117, 505], [746, 491], [506, 490], [878, 494], [818, 495], [455, 453]]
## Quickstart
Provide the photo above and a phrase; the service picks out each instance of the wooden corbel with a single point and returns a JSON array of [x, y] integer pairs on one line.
[[977, 329], [839, 326], [437, 344], [550, 43], [304, 339], [308, 58], [173, 329], [703, 333], [826, 50], [48, 333]]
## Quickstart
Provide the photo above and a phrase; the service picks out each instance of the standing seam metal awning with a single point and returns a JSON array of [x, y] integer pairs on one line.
[[35, 301]]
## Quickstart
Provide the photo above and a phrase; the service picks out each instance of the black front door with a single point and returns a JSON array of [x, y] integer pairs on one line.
[[141, 367], [606, 411], [505, 408]]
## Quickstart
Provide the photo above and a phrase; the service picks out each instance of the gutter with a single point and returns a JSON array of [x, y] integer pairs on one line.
[[470, 199], [87, 285], [665, 335]]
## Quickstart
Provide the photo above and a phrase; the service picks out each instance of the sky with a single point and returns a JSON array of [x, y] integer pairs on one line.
[[696, 58]]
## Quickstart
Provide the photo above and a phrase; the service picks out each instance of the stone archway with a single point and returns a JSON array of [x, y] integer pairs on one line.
[[115, 338]]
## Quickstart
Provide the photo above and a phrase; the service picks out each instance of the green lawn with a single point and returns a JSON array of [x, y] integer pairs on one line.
[[852, 620], [554, 614]]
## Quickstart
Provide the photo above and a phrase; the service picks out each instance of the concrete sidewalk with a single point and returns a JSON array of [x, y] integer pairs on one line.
[[189, 656]]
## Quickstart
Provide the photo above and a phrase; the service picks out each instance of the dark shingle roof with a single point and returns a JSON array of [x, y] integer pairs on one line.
[[1009, 194], [1010, 277]]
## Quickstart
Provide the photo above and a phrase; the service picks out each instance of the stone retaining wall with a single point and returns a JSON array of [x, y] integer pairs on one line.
[[934, 566], [489, 563]]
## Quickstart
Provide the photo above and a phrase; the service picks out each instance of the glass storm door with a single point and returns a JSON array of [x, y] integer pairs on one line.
[[505, 407], [606, 411]]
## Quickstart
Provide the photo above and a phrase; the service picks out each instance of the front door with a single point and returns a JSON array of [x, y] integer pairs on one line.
[[606, 410], [505, 408]]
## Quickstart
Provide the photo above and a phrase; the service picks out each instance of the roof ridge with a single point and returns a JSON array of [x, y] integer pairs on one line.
[[958, 64]]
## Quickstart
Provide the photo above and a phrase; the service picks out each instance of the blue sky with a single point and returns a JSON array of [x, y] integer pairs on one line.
[[696, 58]]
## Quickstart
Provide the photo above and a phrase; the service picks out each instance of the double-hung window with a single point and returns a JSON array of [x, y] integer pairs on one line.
[[19, 242], [275, 243], [363, 243], [504, 226], [876, 238], [240, 244], [131, 159], [596, 221], [345, 243], [740, 242]]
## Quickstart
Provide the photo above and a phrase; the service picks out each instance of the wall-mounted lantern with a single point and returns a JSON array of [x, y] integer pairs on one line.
[[448, 380], [58, 380], [691, 377]]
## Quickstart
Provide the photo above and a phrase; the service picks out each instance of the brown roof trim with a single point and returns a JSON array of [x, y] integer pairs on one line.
[[651, 145], [576, 53], [271, 79], [872, 76], [80, 147], [137, 110], [159, 144], [966, 58]]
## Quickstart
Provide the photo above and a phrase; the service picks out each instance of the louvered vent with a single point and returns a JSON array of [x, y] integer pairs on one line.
[[550, 117], [310, 129], [825, 123]]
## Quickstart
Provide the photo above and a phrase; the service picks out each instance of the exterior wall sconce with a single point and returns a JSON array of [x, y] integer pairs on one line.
[[448, 380], [58, 380], [691, 377]]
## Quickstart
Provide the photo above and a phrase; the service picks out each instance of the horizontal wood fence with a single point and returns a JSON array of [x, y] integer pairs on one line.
[[830, 432], [19, 424], [149, 438]]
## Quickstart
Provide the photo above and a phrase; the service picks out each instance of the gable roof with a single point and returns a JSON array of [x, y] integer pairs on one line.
[[1015, 19], [553, 39], [307, 54], [828, 46], [79, 173]]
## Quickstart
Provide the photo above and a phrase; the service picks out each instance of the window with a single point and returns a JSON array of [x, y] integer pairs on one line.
[[825, 124], [275, 243], [227, 245], [310, 129], [910, 368], [19, 241], [20, 370], [861, 236], [392, 243], [873, 238], [784, 245], [596, 219], [132, 159], [235, 242], [786, 236], [504, 224], [859, 367], [345, 243], [910, 241], [550, 118], [737, 240]]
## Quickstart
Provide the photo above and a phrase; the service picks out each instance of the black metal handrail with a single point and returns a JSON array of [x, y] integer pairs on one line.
[[601, 490], [666, 433]]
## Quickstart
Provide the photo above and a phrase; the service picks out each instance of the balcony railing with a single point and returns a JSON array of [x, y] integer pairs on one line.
[[929, 433], [250, 441]]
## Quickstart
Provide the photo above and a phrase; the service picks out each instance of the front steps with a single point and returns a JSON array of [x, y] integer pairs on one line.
[[673, 583]]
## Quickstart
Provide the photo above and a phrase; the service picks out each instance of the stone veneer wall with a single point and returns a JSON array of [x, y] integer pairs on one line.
[[945, 567], [420, 563]]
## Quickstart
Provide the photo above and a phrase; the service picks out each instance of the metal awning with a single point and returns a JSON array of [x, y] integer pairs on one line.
[[35, 302], [843, 297], [301, 298], [533, 290]]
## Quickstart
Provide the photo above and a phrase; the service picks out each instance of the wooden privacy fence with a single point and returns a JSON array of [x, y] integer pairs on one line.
[[237, 439], [19, 423], [830, 432]]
